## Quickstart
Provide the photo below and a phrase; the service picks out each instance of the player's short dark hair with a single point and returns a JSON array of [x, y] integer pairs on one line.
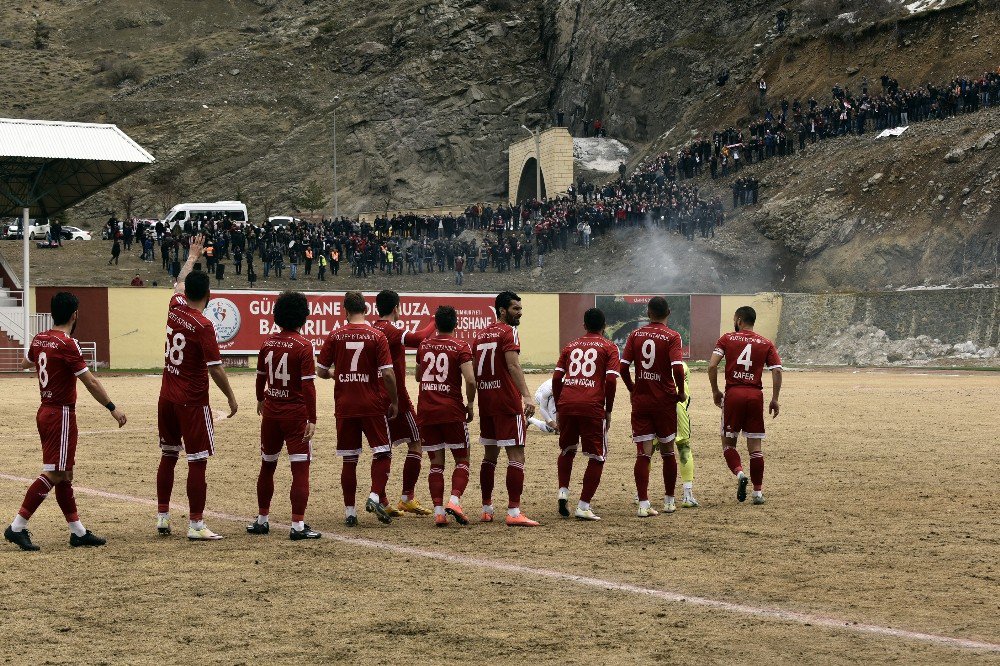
[[354, 302], [63, 305], [445, 318], [504, 299], [747, 314], [386, 302], [196, 285], [291, 310], [658, 307], [594, 320]]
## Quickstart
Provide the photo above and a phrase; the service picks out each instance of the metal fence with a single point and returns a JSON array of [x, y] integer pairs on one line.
[[10, 357]]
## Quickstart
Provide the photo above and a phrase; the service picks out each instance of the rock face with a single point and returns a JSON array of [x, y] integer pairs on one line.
[[865, 329], [236, 101]]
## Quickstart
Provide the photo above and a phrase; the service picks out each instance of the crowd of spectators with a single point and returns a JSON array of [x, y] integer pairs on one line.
[[504, 238], [790, 125]]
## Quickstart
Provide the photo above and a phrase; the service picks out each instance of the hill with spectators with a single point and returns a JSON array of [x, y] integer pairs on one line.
[[236, 100]]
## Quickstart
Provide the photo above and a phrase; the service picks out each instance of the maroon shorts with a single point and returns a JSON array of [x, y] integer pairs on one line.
[[506, 430], [590, 431], [743, 412], [275, 433], [349, 431], [191, 424], [57, 429], [650, 426], [403, 429], [438, 436]]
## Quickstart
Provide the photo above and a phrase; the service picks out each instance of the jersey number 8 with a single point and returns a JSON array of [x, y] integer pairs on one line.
[[174, 347], [582, 363]]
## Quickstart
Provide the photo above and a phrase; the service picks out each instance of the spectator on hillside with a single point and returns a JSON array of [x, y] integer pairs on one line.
[[137, 281]]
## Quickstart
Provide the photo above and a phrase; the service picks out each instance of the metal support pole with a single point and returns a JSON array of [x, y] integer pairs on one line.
[[25, 282]]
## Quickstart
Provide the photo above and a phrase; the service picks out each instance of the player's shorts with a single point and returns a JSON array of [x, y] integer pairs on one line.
[[275, 433], [659, 426], [57, 430], [438, 436], [403, 429], [505, 430], [349, 431], [591, 432], [191, 424], [743, 412]]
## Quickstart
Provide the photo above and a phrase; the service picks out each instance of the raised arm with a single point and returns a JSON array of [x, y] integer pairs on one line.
[[194, 253]]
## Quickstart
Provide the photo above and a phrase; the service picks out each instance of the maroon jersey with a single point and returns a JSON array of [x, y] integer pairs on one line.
[[747, 355], [584, 364], [355, 355], [497, 394], [399, 339], [440, 360], [653, 349], [285, 374], [58, 362], [191, 347]]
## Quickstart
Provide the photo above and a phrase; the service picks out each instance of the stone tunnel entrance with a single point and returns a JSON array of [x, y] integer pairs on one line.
[[526, 186]]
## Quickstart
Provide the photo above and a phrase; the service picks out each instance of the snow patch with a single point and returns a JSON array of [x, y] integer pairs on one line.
[[599, 154], [924, 5]]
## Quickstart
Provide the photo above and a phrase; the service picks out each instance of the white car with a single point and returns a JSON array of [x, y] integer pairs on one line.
[[75, 233], [36, 230]]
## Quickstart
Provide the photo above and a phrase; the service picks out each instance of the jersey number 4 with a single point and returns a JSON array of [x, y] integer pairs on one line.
[[744, 358], [279, 371]]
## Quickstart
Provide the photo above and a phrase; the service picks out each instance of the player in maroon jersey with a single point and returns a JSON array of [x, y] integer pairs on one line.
[[402, 429], [184, 418], [357, 357], [443, 362], [57, 359], [584, 384], [656, 351], [747, 354], [286, 402], [504, 406]]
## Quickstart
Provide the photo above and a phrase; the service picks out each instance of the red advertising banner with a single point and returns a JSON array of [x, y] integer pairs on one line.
[[243, 320]]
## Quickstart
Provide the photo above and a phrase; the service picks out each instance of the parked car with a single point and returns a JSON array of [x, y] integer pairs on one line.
[[282, 221], [75, 233], [236, 211], [37, 230]]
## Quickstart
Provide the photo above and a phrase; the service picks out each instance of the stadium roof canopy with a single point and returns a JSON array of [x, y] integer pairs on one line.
[[48, 166]]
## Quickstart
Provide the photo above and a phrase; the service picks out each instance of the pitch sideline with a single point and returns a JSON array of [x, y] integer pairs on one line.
[[792, 617]]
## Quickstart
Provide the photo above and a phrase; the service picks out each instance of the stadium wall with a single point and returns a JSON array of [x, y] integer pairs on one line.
[[128, 323]]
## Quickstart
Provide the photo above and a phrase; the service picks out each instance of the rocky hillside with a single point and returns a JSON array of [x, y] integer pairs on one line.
[[235, 99]]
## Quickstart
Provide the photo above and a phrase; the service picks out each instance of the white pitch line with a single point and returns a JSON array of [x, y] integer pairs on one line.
[[34, 435], [587, 581]]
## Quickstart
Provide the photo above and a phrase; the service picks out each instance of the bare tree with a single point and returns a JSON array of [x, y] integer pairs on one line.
[[125, 196]]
